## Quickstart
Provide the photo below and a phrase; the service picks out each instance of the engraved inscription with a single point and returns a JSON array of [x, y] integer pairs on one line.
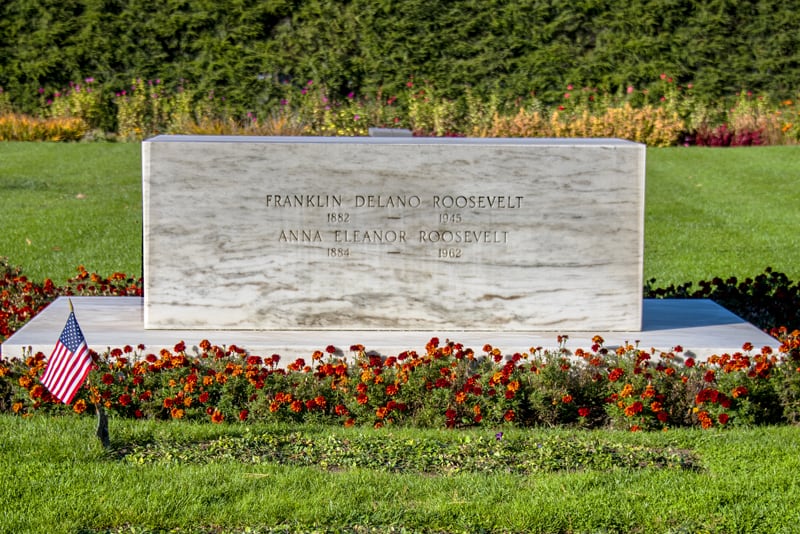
[[448, 235]]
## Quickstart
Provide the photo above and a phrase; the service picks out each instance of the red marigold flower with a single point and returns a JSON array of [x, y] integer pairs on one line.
[[450, 413], [243, 415], [341, 410], [296, 406], [615, 374], [124, 399], [689, 362], [723, 418], [168, 402], [217, 417], [138, 414], [584, 411], [391, 390], [330, 349], [634, 408], [709, 376], [180, 347], [107, 379], [362, 399], [509, 415], [662, 416], [350, 422], [37, 391], [566, 399]]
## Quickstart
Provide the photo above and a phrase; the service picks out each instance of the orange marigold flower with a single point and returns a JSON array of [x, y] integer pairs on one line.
[[296, 406], [739, 391], [274, 406], [509, 415], [380, 413], [217, 417], [627, 391], [566, 399], [461, 397], [79, 406], [176, 413], [17, 406], [513, 386], [349, 422], [391, 390]]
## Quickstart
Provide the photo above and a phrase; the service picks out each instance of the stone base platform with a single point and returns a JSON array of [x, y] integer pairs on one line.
[[701, 327]]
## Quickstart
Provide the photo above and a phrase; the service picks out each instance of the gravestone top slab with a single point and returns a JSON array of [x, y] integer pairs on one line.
[[389, 233]]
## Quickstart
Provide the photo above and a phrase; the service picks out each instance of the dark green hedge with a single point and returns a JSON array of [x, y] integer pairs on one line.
[[244, 49]]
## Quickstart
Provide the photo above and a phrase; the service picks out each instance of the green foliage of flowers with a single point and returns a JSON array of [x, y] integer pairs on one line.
[[447, 386]]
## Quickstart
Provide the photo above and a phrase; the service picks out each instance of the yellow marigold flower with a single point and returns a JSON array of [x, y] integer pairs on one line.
[[627, 391]]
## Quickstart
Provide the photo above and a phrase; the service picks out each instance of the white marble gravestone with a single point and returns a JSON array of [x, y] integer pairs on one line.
[[310, 233]]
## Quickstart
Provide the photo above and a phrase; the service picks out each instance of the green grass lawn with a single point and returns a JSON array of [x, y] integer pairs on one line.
[[57, 478], [64, 205], [709, 212], [721, 212]]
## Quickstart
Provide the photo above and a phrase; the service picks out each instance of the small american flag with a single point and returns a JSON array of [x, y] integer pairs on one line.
[[69, 363]]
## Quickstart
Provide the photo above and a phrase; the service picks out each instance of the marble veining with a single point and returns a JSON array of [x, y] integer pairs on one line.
[[392, 234]]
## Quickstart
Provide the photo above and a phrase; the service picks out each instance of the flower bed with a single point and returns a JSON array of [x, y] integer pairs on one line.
[[444, 385]]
